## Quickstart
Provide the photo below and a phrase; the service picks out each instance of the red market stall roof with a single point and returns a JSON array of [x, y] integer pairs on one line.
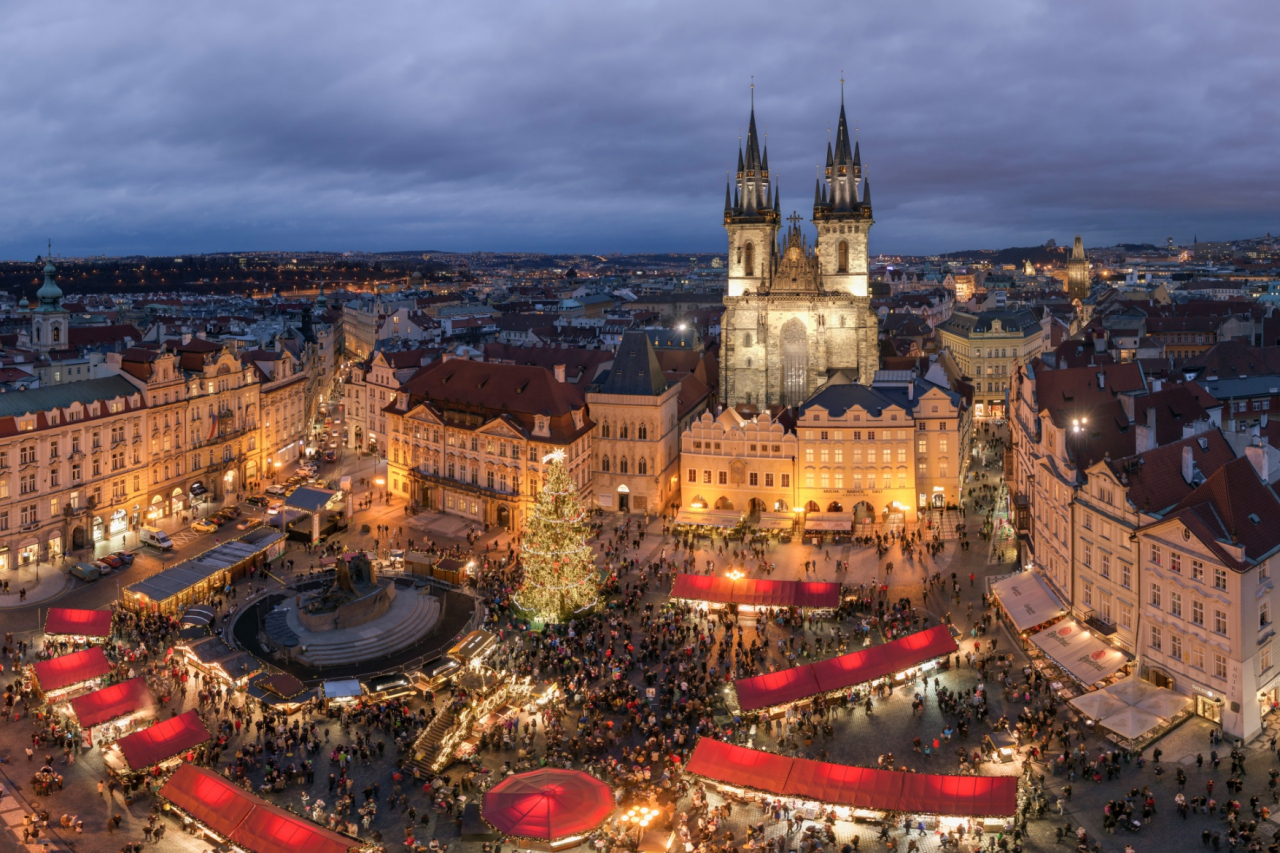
[[548, 804], [78, 623], [735, 765], [841, 673], [764, 593], [111, 703], [208, 798], [271, 829], [57, 673], [246, 819], [163, 740], [855, 787]]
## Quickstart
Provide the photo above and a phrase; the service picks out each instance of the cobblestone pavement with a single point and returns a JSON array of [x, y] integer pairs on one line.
[[857, 739]]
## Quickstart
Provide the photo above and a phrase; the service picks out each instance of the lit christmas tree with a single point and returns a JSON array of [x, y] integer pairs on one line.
[[560, 579]]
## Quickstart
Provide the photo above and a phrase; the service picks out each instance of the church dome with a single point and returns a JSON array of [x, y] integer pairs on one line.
[[49, 293]]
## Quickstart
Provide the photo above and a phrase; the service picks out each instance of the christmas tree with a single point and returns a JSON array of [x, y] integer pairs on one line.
[[560, 580]]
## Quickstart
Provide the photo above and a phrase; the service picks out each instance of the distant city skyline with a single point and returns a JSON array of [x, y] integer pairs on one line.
[[143, 128]]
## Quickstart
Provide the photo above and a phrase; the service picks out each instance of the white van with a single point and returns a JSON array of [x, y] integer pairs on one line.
[[156, 538]]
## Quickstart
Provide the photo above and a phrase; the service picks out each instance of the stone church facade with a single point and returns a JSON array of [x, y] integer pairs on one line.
[[796, 313]]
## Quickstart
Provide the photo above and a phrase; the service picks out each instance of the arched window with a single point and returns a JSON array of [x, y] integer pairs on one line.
[[622, 464], [749, 260], [57, 333], [604, 464], [842, 257], [604, 431], [746, 339], [642, 467], [622, 431], [642, 433]]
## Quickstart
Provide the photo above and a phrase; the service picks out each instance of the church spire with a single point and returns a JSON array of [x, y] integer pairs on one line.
[[728, 199]]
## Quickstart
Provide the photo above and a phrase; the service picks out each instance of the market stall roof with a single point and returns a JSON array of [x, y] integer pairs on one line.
[[755, 591], [1072, 647], [473, 645], [112, 703], [709, 517], [548, 804], [845, 671], [79, 623], [347, 688], [198, 614], [1131, 690], [1097, 704], [60, 672], [1166, 703], [739, 766], [245, 819], [1028, 600], [271, 829], [163, 740], [208, 798], [776, 688], [173, 580], [282, 684], [855, 787], [775, 521], [828, 521]]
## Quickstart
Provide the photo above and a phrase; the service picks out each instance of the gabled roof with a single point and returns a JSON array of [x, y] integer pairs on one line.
[[1155, 477], [1074, 391], [1233, 507]]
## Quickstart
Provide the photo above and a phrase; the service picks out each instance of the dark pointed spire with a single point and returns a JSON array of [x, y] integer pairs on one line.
[[728, 199], [777, 202], [830, 161], [843, 154], [817, 193], [768, 197], [764, 163], [739, 158], [753, 142], [857, 155], [824, 196], [866, 193]]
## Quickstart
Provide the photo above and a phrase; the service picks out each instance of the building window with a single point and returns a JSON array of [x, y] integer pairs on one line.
[[1175, 646], [1264, 659], [1086, 557], [825, 476], [1219, 578], [1197, 613], [1155, 599], [1106, 566], [1219, 666], [1264, 614], [1220, 622], [1126, 616], [1157, 639], [706, 475], [753, 478], [808, 479], [1175, 562], [722, 477], [693, 472], [1088, 595], [786, 481], [1197, 571], [1126, 576], [1175, 604], [768, 481]]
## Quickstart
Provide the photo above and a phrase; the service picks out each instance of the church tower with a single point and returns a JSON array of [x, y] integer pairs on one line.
[[1077, 272], [49, 319], [796, 313], [751, 216]]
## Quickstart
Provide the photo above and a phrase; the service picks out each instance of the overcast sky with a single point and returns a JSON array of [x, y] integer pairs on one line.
[[171, 128]]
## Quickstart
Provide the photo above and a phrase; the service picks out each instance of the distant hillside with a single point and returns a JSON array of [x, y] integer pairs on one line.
[[1016, 255]]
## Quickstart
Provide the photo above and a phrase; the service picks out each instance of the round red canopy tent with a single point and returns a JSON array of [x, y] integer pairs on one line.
[[548, 805]]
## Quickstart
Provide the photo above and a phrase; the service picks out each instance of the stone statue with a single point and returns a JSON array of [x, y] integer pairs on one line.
[[342, 579]]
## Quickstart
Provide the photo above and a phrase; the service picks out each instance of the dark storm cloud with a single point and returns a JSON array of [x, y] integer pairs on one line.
[[159, 127]]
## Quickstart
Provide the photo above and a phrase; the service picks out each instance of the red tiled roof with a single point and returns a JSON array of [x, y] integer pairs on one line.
[[1155, 477], [1233, 507]]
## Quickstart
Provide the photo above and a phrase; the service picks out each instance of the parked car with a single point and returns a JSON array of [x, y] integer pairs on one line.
[[112, 560], [104, 568], [258, 500], [330, 456], [249, 523], [86, 572], [274, 489], [124, 557], [275, 508], [204, 525]]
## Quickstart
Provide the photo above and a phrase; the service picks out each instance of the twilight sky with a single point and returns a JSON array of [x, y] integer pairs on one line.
[[168, 128]]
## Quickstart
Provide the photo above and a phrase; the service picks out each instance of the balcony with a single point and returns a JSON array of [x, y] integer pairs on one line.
[[459, 485]]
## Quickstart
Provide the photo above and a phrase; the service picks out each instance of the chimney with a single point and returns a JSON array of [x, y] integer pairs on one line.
[[1188, 465], [186, 338], [559, 370], [1156, 385], [1102, 380], [1257, 456]]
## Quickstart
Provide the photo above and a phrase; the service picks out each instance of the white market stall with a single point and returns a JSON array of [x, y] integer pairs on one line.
[[1074, 648]]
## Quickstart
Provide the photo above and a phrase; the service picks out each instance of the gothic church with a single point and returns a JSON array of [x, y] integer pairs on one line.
[[796, 313]]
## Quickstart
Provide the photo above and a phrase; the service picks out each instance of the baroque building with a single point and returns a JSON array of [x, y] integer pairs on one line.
[[796, 313]]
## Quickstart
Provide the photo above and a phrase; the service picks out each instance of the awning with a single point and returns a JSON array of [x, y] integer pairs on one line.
[[775, 521], [112, 703], [163, 741], [1131, 722], [81, 666], [1072, 647], [828, 521], [347, 688], [709, 517], [1028, 600], [845, 671], [78, 623], [245, 819], [766, 593], [854, 787], [547, 804]]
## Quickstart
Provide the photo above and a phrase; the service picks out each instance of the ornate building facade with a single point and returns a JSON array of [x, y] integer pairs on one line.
[[1077, 272], [796, 313]]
